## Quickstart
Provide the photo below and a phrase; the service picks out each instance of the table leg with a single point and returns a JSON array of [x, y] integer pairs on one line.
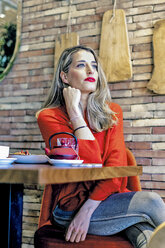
[[11, 209]]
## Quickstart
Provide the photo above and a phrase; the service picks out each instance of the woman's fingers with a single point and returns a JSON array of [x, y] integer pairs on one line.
[[72, 99], [74, 235], [83, 236], [68, 234], [78, 227]]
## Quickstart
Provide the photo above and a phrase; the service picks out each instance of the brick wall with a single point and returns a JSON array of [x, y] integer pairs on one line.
[[23, 91]]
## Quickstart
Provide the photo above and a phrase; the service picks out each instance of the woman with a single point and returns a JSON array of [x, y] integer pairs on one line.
[[79, 102]]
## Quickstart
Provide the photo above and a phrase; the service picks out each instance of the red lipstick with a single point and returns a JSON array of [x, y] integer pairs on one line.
[[90, 79]]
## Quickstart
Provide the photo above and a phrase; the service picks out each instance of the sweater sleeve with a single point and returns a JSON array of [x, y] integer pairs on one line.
[[114, 155], [51, 121]]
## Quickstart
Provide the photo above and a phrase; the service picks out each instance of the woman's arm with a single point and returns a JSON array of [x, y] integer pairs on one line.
[[72, 98], [78, 227]]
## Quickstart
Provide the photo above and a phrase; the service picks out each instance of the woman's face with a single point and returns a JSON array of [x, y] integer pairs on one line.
[[83, 74]]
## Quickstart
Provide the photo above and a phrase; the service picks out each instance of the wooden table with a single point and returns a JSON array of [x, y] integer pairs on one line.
[[13, 177]]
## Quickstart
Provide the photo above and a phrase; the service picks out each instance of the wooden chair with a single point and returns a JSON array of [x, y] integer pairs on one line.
[[49, 236]]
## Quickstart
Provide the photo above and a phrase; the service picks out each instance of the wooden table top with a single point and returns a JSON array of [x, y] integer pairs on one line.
[[47, 174]]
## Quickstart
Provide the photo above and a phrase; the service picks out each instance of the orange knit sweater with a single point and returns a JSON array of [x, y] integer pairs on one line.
[[108, 148]]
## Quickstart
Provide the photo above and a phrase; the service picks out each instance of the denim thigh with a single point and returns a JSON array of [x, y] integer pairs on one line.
[[110, 217]]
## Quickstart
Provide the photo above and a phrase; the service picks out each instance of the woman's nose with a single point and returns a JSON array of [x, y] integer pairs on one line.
[[90, 69]]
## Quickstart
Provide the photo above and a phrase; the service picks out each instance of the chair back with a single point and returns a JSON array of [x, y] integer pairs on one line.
[[133, 181]]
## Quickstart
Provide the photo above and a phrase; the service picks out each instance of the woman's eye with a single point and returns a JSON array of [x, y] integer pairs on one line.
[[80, 65], [94, 66]]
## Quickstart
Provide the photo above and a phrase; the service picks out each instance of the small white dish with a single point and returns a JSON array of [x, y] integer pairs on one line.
[[65, 162], [30, 159], [7, 161]]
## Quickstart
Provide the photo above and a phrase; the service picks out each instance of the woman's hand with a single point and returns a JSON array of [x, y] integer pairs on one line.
[[72, 99], [78, 227]]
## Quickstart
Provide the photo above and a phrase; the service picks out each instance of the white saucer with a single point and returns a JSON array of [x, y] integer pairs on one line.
[[30, 159], [65, 162], [7, 161]]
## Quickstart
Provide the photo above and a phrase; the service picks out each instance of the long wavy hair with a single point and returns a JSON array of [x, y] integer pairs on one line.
[[99, 114]]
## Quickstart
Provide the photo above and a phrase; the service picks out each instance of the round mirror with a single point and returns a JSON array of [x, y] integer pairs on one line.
[[10, 31]]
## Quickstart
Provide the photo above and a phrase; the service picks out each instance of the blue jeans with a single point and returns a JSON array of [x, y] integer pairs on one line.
[[133, 212]]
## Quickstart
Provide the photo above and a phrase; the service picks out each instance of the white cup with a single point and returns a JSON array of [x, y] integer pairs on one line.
[[4, 151]]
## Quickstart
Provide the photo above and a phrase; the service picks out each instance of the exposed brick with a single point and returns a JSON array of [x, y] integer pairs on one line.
[[140, 40], [158, 130], [141, 92], [87, 19], [127, 85], [148, 107], [149, 122], [146, 2], [149, 138], [142, 69], [140, 10], [123, 93], [137, 115], [149, 154], [143, 62], [143, 32], [137, 130], [139, 145], [153, 185], [158, 98], [126, 123], [133, 100], [142, 25], [157, 161], [30, 54], [83, 6], [144, 76], [142, 47], [141, 55], [159, 7], [143, 161], [79, 13], [158, 146], [145, 177]]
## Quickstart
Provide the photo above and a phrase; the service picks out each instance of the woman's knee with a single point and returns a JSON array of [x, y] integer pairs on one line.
[[144, 202], [154, 199]]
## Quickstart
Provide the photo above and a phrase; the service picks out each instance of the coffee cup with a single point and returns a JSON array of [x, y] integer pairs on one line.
[[4, 151]]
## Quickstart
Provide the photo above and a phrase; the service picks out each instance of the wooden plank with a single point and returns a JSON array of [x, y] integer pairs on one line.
[[20, 175], [114, 48], [62, 42], [86, 174], [44, 174], [157, 82]]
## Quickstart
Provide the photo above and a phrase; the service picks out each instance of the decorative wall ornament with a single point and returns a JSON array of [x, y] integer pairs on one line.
[[114, 46], [157, 82], [66, 40]]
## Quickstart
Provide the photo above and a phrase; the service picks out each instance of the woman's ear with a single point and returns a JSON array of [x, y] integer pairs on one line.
[[63, 77]]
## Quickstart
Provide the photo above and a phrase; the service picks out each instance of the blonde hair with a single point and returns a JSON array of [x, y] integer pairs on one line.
[[99, 114]]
